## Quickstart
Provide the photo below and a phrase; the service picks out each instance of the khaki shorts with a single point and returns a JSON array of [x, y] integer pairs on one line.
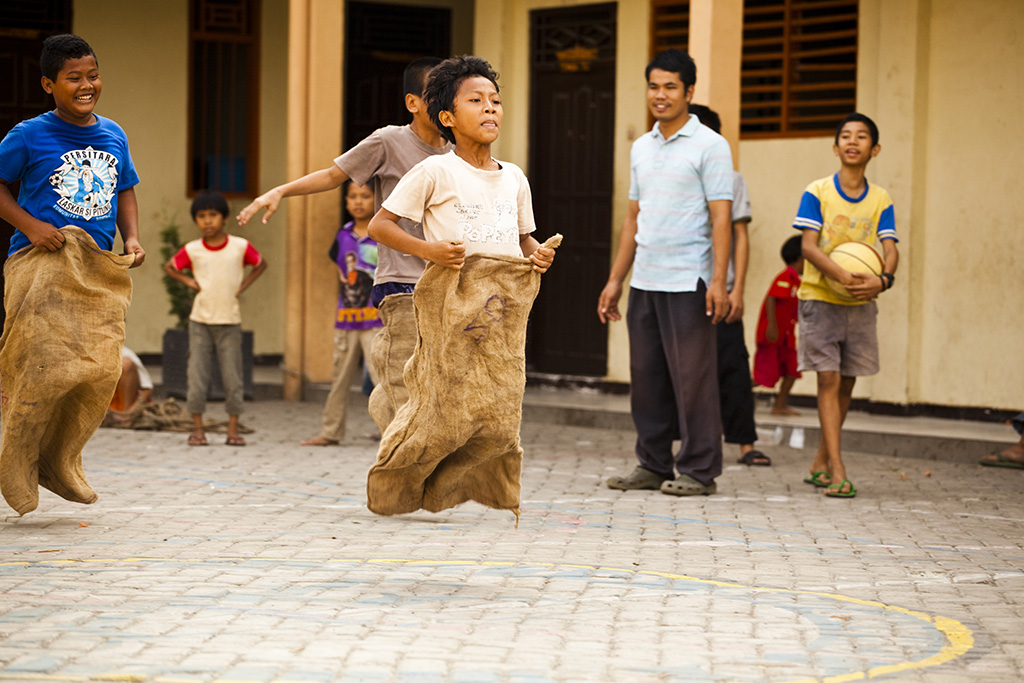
[[838, 338]]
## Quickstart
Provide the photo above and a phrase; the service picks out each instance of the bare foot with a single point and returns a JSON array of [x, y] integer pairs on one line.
[[320, 441], [783, 410]]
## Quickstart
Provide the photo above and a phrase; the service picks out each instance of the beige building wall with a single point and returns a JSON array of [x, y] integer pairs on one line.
[[143, 54], [941, 77], [969, 288], [942, 80]]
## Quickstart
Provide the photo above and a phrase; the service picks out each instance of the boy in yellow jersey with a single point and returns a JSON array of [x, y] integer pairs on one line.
[[838, 340]]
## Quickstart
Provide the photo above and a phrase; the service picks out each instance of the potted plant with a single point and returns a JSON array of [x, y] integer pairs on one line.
[[175, 341]]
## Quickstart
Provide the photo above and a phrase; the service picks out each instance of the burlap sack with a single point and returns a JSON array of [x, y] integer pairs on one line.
[[457, 438], [390, 350], [60, 359]]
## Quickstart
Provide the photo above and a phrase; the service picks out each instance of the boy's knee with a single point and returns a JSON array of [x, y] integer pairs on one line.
[[828, 379]]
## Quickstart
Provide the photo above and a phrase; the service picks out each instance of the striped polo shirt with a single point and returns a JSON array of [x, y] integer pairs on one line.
[[674, 180]]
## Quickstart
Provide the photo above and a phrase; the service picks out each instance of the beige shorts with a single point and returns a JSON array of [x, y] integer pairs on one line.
[[838, 338]]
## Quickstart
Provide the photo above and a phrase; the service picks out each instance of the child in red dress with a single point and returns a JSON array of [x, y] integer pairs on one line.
[[775, 357]]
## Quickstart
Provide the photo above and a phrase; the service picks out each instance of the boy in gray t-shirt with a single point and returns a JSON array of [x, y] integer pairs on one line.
[[383, 157]]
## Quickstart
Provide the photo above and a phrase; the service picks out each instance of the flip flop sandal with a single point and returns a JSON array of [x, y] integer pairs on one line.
[[755, 458], [1002, 461], [836, 490], [815, 479], [235, 440], [197, 440]]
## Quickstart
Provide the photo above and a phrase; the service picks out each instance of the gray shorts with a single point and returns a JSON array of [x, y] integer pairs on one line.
[[838, 338]]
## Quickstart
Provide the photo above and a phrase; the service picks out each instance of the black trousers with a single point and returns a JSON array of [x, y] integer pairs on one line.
[[674, 383], [737, 398]]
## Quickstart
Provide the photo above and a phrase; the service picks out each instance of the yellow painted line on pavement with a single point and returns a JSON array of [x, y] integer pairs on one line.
[[959, 638]]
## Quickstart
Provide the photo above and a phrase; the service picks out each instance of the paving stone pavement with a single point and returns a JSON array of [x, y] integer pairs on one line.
[[263, 564]]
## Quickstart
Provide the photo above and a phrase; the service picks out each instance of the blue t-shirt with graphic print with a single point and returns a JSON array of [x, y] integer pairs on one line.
[[70, 175]]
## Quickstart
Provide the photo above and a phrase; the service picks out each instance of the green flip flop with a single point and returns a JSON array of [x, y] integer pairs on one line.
[[815, 479], [836, 490], [1001, 461]]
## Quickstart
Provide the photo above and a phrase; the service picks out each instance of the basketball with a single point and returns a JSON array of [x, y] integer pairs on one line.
[[854, 257]]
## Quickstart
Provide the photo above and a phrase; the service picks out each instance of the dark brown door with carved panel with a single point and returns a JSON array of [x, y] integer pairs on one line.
[[24, 24], [572, 121]]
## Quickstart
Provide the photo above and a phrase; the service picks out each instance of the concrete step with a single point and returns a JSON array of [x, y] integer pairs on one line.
[[919, 437], [928, 438]]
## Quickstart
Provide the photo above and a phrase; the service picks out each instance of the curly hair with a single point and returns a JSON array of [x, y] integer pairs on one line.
[[443, 86], [57, 50]]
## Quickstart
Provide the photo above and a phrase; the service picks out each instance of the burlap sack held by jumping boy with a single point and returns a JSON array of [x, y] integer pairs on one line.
[[390, 350], [457, 437], [60, 360]]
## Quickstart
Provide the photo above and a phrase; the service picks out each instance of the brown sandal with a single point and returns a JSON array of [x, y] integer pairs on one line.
[[319, 441], [197, 439], [235, 440]]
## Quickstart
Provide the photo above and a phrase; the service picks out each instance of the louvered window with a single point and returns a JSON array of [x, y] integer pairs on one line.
[[224, 105], [799, 66], [799, 73], [670, 25]]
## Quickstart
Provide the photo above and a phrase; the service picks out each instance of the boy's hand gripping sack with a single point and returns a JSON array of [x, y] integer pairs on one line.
[[457, 437], [60, 360]]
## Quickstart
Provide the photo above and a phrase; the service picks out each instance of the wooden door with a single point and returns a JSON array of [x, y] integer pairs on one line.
[[571, 171], [24, 24]]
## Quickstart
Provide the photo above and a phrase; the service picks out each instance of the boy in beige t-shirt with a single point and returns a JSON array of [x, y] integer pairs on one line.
[[468, 201], [218, 263]]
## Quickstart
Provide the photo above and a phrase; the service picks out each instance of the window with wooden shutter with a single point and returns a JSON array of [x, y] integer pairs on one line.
[[670, 25], [224, 98], [799, 74]]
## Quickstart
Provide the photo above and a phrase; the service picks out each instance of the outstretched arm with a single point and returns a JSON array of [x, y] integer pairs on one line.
[[384, 229], [317, 181]]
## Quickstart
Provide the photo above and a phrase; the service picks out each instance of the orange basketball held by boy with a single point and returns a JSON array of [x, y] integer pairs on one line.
[[854, 257]]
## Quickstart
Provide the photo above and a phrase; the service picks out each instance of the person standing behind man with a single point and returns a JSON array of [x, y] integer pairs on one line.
[[734, 386], [677, 232]]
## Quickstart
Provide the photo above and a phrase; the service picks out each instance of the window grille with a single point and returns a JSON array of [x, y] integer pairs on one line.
[[224, 106], [670, 25], [799, 68], [799, 74]]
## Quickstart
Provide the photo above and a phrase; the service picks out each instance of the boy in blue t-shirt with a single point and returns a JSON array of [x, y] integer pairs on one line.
[[74, 165], [76, 172], [838, 340]]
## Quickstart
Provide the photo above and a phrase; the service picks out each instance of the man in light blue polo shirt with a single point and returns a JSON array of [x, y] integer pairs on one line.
[[677, 232]]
